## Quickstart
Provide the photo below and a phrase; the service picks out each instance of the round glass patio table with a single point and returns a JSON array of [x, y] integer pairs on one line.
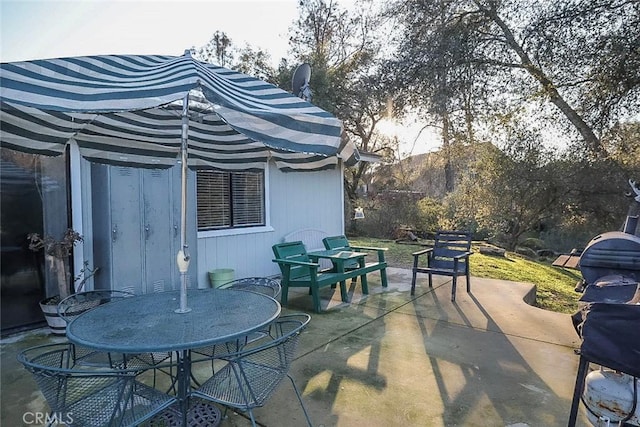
[[148, 323]]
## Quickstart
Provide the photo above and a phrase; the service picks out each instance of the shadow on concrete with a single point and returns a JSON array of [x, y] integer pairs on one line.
[[389, 359]]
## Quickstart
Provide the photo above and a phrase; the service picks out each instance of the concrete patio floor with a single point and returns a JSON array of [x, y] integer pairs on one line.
[[390, 359]]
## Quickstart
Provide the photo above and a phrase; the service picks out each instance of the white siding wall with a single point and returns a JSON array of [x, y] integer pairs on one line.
[[297, 200]]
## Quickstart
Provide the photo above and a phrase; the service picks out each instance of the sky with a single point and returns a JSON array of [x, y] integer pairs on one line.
[[38, 29]]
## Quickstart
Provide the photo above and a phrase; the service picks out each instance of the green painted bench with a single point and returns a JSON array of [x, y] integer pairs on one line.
[[341, 242], [298, 271]]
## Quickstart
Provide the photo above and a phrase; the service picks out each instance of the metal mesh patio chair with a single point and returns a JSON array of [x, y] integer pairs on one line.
[[73, 306], [89, 395], [76, 304], [264, 285], [252, 375]]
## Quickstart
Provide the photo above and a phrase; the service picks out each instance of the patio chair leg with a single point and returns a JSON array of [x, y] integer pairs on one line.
[[364, 284], [253, 420], [468, 283], [383, 277], [295, 388], [224, 414], [343, 291], [453, 288], [413, 283], [315, 296], [430, 280]]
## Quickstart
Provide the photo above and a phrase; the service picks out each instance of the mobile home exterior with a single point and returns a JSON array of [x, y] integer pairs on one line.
[[130, 218]]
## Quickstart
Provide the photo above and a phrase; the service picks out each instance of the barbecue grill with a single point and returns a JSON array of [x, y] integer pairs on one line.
[[612, 259], [610, 326], [610, 267]]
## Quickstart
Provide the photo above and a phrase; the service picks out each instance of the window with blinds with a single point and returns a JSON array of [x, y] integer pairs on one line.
[[230, 199]]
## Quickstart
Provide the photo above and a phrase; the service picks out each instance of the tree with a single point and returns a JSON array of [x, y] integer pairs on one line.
[[623, 142], [433, 70], [255, 62], [217, 50], [248, 60], [531, 51], [595, 201], [513, 191], [591, 52], [347, 79], [362, 105]]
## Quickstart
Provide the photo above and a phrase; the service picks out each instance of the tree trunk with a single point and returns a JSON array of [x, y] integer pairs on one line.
[[446, 149]]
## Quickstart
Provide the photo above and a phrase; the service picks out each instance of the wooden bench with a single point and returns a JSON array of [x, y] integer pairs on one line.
[[299, 271], [449, 256], [341, 242]]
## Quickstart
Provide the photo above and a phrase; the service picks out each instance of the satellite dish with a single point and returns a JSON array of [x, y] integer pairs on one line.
[[300, 82]]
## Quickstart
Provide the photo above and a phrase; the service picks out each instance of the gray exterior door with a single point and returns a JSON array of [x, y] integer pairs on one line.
[[136, 220]]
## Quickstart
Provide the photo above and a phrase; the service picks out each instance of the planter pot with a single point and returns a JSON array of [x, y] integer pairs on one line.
[[220, 276], [56, 324]]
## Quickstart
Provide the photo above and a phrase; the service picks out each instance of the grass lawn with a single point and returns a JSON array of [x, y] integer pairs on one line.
[[554, 285]]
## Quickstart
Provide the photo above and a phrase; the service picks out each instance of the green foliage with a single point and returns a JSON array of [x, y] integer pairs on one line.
[[218, 50], [347, 79], [511, 191], [387, 213], [249, 60], [527, 252], [520, 191], [468, 60], [554, 286], [623, 142], [398, 255], [429, 213], [256, 63], [533, 243]]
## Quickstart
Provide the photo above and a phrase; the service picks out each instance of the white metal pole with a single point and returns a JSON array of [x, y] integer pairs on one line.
[[183, 254]]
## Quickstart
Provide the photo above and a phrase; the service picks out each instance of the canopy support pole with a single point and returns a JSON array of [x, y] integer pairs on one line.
[[183, 254]]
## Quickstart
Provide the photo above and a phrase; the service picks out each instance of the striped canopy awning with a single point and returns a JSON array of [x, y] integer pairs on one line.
[[127, 110]]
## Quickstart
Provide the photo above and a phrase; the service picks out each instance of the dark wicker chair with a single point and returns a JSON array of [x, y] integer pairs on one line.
[[253, 374], [85, 395]]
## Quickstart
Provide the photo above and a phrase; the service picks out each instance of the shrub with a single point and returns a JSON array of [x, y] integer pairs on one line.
[[429, 214], [533, 243]]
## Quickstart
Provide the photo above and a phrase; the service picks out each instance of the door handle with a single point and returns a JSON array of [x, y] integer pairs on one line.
[[114, 233]]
